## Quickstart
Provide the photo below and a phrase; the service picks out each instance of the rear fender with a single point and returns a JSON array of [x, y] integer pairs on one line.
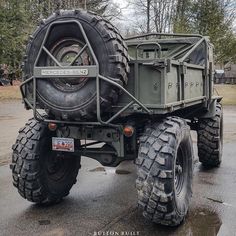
[[211, 112]]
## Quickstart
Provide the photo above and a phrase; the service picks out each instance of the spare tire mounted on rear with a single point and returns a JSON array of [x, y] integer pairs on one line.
[[75, 98]]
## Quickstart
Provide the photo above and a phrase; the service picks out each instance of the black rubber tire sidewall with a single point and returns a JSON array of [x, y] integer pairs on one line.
[[182, 201]]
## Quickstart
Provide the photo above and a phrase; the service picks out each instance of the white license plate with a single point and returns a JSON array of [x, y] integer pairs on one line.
[[63, 144]]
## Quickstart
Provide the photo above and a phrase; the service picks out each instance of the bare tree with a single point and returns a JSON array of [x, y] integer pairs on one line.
[[148, 15], [43, 8], [158, 15]]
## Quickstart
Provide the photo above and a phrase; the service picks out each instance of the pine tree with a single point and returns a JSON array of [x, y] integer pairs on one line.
[[12, 34]]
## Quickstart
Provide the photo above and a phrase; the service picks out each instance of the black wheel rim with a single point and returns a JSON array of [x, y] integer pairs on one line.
[[180, 168], [56, 166], [65, 51]]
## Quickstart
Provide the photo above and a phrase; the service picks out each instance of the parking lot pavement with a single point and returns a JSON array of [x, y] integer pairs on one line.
[[12, 117], [104, 201]]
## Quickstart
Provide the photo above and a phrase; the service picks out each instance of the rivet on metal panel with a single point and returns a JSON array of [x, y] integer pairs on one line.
[[155, 86], [169, 85], [135, 107]]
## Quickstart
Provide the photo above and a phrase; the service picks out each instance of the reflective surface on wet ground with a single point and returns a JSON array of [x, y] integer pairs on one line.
[[104, 200]]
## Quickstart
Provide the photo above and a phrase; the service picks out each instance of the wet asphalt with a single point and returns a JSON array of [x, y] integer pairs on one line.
[[104, 200]]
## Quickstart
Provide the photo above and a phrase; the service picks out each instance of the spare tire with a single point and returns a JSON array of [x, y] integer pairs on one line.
[[75, 98]]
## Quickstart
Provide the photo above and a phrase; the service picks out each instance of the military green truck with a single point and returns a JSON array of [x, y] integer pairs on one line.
[[97, 95]]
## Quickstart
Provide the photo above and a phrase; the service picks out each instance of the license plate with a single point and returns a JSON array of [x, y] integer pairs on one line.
[[63, 144]]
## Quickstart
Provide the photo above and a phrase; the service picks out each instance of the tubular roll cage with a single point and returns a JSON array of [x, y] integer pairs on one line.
[[93, 72]]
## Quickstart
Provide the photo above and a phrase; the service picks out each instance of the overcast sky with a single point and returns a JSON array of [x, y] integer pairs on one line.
[[128, 14], [127, 19], [126, 9]]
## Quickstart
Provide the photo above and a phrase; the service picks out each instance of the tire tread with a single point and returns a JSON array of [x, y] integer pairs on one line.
[[155, 197], [26, 170], [208, 139]]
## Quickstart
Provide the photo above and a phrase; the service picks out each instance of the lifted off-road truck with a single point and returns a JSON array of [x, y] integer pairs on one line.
[[96, 94]]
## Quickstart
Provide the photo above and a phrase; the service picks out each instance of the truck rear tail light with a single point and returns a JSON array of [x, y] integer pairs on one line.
[[52, 126], [128, 131]]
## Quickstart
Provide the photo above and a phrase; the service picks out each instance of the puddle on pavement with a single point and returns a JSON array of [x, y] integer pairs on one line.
[[209, 182], [198, 222], [98, 169], [110, 170], [202, 222], [122, 172], [219, 201], [44, 222]]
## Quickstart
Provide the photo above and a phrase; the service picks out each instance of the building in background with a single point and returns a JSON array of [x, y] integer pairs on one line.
[[226, 75]]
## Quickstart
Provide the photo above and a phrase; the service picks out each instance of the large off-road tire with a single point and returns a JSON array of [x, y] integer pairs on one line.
[[39, 174], [210, 139], [75, 98], [165, 171]]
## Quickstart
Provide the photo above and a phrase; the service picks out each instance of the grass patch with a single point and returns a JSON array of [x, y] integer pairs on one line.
[[10, 92], [228, 92]]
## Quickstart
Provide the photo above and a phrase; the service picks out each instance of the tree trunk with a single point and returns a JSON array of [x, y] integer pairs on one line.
[[148, 15]]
